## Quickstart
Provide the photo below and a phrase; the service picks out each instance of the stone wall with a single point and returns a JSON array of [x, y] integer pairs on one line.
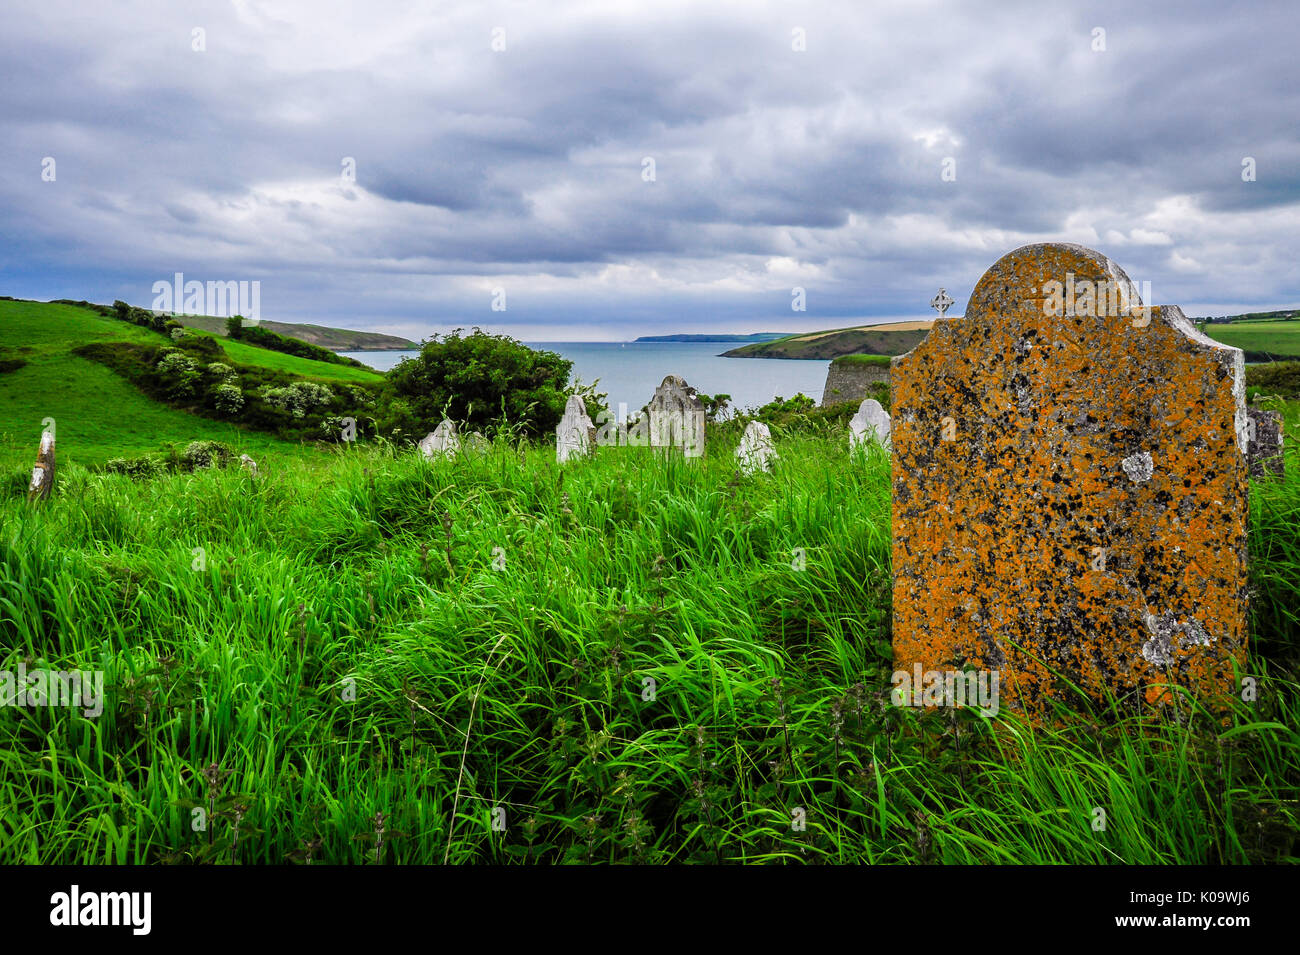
[[848, 381]]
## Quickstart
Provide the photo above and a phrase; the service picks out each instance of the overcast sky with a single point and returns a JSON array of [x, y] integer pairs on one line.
[[525, 168]]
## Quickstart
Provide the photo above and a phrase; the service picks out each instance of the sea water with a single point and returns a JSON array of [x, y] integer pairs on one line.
[[630, 371]]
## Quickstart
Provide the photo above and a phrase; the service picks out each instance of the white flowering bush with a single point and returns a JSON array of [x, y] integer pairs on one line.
[[299, 398], [180, 374], [228, 399], [219, 371]]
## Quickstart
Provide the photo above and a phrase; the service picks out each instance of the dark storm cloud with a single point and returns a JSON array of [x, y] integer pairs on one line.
[[526, 169]]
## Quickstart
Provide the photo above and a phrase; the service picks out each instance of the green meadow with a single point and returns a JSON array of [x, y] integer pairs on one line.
[[361, 656]]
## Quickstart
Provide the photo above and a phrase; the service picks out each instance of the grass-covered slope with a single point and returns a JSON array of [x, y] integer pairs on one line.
[[875, 340], [335, 339], [635, 659], [98, 415]]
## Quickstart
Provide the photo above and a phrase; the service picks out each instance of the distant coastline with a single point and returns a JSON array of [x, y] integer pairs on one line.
[[719, 337]]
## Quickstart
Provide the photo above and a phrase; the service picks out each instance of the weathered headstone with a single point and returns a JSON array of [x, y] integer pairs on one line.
[[575, 435], [756, 452], [871, 423], [1264, 450], [442, 441], [476, 443], [677, 418], [248, 464], [42, 485], [1069, 490]]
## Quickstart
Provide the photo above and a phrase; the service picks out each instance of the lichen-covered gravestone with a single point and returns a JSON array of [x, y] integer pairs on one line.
[[575, 435], [756, 452], [677, 418], [871, 423], [42, 484], [1069, 490], [442, 441]]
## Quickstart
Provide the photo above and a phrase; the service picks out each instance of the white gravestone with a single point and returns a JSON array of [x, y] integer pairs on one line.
[[871, 423], [442, 441], [575, 435], [756, 452]]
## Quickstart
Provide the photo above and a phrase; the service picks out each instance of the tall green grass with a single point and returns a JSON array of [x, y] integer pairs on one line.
[[374, 657]]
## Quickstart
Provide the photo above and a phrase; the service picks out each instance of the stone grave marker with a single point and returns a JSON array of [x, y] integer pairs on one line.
[[756, 451], [442, 441], [871, 423], [475, 442], [1264, 450], [1069, 490], [42, 484], [677, 418], [575, 435]]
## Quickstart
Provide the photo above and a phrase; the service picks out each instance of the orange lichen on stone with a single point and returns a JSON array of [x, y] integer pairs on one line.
[[1069, 490]]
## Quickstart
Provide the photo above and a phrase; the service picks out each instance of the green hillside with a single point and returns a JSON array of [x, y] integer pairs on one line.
[[335, 339], [98, 413], [875, 340]]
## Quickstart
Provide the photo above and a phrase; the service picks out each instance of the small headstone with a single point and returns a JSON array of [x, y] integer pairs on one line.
[[42, 485], [442, 442], [476, 443], [575, 435], [677, 418], [248, 464], [1069, 491], [870, 424], [1265, 445], [756, 452]]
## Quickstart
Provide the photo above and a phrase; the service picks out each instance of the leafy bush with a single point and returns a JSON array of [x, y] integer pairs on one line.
[[180, 374], [138, 469], [298, 398], [228, 399], [206, 454], [1275, 378], [478, 379], [220, 371]]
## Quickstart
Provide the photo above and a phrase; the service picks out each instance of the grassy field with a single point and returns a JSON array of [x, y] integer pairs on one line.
[[376, 658], [1262, 341]]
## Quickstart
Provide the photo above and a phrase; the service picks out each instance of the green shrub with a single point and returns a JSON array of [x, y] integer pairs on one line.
[[298, 398], [228, 399], [480, 379], [138, 469], [1275, 378], [220, 371], [206, 454], [180, 375]]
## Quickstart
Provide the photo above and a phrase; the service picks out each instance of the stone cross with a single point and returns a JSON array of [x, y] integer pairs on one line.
[[442, 441], [756, 452], [575, 435], [42, 484], [677, 418], [941, 302], [1069, 491], [871, 423]]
